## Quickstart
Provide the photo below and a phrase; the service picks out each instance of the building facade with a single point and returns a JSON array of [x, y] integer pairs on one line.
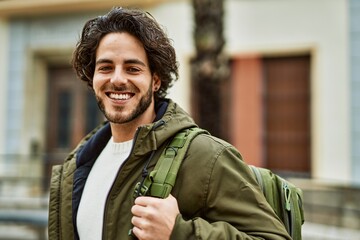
[[293, 102]]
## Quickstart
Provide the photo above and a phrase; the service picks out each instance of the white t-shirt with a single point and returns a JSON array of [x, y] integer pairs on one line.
[[90, 214]]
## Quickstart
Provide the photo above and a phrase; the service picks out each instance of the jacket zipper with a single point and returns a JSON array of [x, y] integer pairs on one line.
[[161, 122], [287, 210], [107, 197]]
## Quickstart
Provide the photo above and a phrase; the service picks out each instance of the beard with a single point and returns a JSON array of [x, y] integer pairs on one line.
[[118, 117]]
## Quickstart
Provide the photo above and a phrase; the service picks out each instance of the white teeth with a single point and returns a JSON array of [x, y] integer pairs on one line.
[[119, 96]]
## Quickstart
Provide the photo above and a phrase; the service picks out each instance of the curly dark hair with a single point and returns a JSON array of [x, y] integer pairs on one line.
[[160, 53]]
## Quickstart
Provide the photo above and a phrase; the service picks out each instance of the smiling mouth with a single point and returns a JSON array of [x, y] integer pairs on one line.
[[120, 96]]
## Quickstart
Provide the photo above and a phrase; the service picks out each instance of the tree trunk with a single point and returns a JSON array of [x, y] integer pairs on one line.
[[210, 68]]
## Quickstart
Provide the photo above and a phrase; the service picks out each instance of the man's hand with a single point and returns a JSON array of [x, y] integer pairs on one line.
[[154, 218]]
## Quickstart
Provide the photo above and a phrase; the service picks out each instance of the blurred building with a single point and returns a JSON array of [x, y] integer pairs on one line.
[[293, 94]]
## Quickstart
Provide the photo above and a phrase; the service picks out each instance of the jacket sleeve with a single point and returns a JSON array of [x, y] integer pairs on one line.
[[232, 204]]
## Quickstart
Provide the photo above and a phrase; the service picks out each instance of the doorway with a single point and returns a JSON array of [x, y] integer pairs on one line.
[[72, 112], [287, 113], [270, 108]]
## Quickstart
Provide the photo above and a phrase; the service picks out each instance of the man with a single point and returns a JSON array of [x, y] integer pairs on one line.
[[128, 61]]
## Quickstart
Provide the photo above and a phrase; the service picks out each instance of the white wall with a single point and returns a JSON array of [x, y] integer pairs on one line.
[[177, 21], [3, 81], [320, 26], [277, 27]]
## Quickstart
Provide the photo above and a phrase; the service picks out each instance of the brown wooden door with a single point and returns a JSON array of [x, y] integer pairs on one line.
[[72, 113], [287, 113], [270, 112]]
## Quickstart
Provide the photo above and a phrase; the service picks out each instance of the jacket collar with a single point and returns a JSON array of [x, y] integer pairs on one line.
[[89, 152], [170, 119], [93, 147]]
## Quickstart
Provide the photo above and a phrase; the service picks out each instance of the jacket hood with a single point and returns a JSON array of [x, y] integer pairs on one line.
[[170, 119], [175, 119], [149, 137]]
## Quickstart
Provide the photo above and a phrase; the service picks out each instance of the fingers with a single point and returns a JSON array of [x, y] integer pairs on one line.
[[143, 213], [143, 227], [137, 232], [154, 218], [146, 201]]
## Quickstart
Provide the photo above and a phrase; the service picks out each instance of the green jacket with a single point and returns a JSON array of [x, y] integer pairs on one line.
[[217, 196]]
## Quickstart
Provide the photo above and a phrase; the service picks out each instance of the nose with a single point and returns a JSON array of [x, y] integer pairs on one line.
[[118, 77]]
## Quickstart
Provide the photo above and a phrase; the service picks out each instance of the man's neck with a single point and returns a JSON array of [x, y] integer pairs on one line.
[[123, 132], [126, 131]]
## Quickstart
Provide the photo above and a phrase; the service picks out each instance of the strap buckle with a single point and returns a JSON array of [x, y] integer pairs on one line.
[[140, 192]]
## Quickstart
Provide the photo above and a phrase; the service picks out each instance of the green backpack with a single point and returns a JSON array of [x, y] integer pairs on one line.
[[283, 197]]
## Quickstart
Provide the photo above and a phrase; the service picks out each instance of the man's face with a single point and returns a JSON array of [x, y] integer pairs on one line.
[[123, 83]]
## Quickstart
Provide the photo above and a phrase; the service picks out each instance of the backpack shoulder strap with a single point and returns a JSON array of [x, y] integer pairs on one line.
[[161, 180]]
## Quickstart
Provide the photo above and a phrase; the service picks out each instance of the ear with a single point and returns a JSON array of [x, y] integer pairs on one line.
[[156, 83]]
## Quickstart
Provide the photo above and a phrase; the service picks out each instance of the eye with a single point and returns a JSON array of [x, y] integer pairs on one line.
[[133, 70], [104, 68]]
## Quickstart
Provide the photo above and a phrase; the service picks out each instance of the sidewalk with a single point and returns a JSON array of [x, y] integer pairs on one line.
[[17, 232], [313, 231]]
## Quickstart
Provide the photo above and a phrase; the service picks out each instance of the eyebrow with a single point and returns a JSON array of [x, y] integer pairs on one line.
[[128, 61], [103, 60], [135, 61]]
